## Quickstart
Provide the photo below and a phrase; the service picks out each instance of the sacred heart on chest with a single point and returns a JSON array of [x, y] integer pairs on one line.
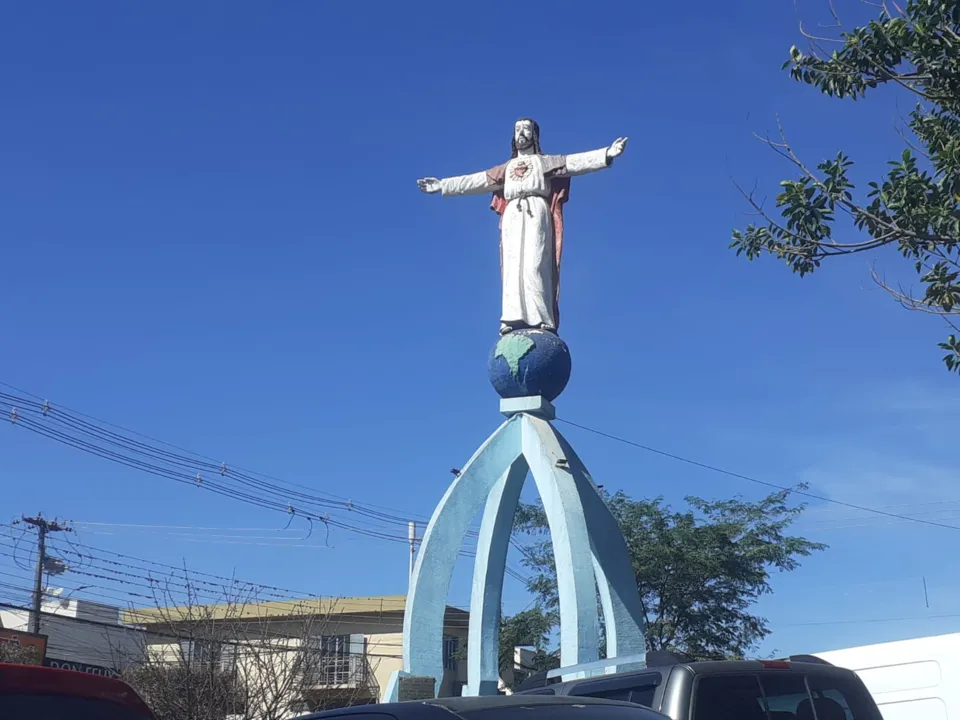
[[520, 170]]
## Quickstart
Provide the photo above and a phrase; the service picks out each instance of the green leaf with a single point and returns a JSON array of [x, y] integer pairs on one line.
[[699, 570], [913, 205]]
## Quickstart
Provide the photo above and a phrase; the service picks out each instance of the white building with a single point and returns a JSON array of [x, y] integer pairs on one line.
[[81, 635], [360, 640], [523, 667]]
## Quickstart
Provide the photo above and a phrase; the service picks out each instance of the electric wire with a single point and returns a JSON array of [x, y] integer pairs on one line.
[[765, 483], [70, 429]]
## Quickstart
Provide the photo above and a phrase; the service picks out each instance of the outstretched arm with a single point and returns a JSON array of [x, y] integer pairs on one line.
[[473, 184], [588, 162]]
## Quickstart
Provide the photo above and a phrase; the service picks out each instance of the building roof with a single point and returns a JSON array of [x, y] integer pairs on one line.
[[368, 606]]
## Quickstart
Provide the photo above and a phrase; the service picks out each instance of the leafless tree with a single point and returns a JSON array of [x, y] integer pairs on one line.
[[239, 658]]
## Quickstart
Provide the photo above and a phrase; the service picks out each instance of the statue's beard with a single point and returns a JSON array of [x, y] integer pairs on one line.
[[523, 142]]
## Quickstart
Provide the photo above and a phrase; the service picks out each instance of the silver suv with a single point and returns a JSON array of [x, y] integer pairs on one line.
[[796, 688]]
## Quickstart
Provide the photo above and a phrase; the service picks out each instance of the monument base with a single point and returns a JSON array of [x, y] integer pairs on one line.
[[535, 405], [404, 687]]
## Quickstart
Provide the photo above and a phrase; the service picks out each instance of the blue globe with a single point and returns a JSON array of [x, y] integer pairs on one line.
[[529, 362]]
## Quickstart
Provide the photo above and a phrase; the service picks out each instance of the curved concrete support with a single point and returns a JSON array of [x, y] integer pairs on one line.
[[606, 606], [576, 585], [624, 638], [496, 528], [623, 615], [589, 552], [430, 584]]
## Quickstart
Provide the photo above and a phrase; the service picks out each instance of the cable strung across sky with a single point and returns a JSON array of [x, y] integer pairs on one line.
[[794, 490], [136, 582], [115, 576], [132, 450], [87, 434]]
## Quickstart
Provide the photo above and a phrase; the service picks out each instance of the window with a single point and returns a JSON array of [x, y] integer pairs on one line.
[[334, 660], [640, 695], [640, 689], [787, 696], [552, 711], [728, 697], [450, 647], [785, 693], [845, 692], [201, 652], [833, 697], [228, 658], [363, 716]]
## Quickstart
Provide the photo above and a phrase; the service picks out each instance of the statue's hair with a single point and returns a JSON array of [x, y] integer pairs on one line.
[[536, 138]]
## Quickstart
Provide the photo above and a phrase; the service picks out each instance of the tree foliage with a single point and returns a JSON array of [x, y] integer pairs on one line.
[[914, 207], [528, 628], [699, 571]]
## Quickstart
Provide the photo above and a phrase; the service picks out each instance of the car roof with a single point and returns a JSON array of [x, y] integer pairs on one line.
[[480, 703], [706, 667], [40, 680], [471, 704], [797, 663]]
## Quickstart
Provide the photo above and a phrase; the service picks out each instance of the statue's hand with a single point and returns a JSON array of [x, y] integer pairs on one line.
[[617, 148], [429, 185]]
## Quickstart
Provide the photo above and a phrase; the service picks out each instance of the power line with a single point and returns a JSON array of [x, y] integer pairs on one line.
[[192, 461], [176, 581], [741, 476], [866, 621], [47, 421], [189, 468], [199, 576], [196, 454], [156, 607], [464, 552]]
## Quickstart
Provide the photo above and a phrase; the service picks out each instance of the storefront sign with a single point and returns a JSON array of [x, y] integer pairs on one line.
[[33, 647], [80, 667]]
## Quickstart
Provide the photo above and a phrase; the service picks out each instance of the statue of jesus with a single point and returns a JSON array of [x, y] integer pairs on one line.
[[529, 191]]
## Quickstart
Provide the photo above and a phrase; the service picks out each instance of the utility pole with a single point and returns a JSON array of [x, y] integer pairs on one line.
[[43, 527], [412, 535]]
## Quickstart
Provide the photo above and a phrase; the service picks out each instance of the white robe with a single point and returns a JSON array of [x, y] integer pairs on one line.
[[527, 234]]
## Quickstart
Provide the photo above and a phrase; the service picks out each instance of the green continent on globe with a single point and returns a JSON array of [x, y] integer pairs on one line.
[[512, 348]]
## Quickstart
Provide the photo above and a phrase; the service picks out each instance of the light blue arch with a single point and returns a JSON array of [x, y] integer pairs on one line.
[[430, 585], [624, 618], [483, 666], [573, 559], [589, 551]]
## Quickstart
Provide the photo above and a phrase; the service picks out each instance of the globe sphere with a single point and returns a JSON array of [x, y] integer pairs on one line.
[[526, 363]]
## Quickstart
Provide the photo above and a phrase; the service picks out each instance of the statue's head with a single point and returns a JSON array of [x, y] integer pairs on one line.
[[526, 137]]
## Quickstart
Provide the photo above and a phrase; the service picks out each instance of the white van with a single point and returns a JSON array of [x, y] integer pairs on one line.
[[910, 679]]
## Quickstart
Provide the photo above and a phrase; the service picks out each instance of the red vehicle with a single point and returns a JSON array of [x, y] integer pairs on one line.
[[32, 692]]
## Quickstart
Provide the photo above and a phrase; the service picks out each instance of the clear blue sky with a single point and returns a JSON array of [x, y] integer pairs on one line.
[[211, 233]]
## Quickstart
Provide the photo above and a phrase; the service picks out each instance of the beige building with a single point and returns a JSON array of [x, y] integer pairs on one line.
[[311, 653]]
